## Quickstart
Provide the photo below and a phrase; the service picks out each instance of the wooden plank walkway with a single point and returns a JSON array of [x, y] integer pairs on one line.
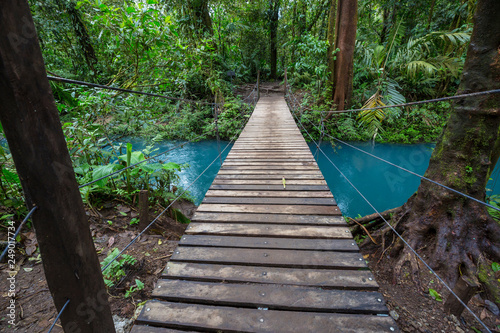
[[263, 257]]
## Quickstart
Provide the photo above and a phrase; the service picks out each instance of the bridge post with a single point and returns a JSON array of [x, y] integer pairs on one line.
[[258, 84], [286, 82], [32, 127]]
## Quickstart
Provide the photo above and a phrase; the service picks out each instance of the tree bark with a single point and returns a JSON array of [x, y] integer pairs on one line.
[[33, 129], [331, 41], [345, 39], [458, 234], [201, 16]]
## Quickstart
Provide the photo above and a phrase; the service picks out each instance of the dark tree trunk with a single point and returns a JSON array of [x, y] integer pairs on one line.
[[457, 234], [331, 40], [273, 18], [431, 14], [345, 39], [201, 16], [33, 129], [386, 25]]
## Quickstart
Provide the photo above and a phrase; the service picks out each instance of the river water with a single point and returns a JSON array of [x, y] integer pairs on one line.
[[382, 184]]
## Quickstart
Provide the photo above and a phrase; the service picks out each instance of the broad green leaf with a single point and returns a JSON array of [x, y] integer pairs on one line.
[[171, 166], [135, 157], [434, 294], [495, 266]]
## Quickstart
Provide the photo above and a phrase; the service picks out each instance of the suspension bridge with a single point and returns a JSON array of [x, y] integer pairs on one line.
[[268, 249]]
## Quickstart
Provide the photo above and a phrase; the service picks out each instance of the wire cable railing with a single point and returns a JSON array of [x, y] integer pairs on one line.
[[12, 240], [392, 228], [441, 99], [170, 205], [324, 133], [101, 86]]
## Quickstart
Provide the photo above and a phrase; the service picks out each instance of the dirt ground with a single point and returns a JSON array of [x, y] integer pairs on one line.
[[415, 310], [110, 227]]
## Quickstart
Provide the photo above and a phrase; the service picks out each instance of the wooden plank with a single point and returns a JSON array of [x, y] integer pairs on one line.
[[270, 159], [240, 163], [268, 218], [271, 176], [274, 209], [153, 329], [270, 258], [269, 182], [277, 188], [268, 167], [228, 319], [291, 298], [285, 172], [269, 201], [267, 194], [345, 245], [268, 230]]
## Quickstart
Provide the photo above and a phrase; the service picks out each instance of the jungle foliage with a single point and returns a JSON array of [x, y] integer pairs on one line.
[[184, 49]]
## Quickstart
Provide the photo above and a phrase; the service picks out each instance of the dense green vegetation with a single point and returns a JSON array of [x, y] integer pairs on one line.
[[404, 52]]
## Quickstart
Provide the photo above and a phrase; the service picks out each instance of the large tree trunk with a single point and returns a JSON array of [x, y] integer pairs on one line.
[[201, 16], [274, 11], [345, 39], [457, 234], [331, 41]]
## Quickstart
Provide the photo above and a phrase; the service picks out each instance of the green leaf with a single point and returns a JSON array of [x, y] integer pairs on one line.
[[10, 176], [434, 294], [102, 171], [171, 166], [495, 267], [130, 10], [139, 284], [134, 157]]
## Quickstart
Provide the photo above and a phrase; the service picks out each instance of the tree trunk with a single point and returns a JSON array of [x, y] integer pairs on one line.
[[431, 14], [201, 16], [331, 41], [345, 39], [457, 234], [274, 11]]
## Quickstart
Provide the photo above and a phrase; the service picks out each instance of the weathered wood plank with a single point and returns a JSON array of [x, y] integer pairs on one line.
[[259, 242], [228, 319], [269, 201], [270, 258], [292, 298], [288, 176], [268, 218], [325, 278], [274, 209], [267, 194], [153, 329], [277, 188], [283, 172], [269, 182], [268, 167], [268, 230]]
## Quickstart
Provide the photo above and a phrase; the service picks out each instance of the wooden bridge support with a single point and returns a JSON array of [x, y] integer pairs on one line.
[[32, 127]]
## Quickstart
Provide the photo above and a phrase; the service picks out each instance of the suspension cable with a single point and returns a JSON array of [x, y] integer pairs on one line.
[[170, 205], [94, 85], [394, 230], [13, 239], [145, 160], [474, 94], [411, 172], [58, 315]]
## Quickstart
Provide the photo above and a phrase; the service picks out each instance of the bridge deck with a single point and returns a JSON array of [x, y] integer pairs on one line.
[[262, 257]]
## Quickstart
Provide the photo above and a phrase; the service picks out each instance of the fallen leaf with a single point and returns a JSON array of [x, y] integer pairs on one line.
[[30, 249], [27, 269], [159, 242], [483, 314], [111, 241]]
